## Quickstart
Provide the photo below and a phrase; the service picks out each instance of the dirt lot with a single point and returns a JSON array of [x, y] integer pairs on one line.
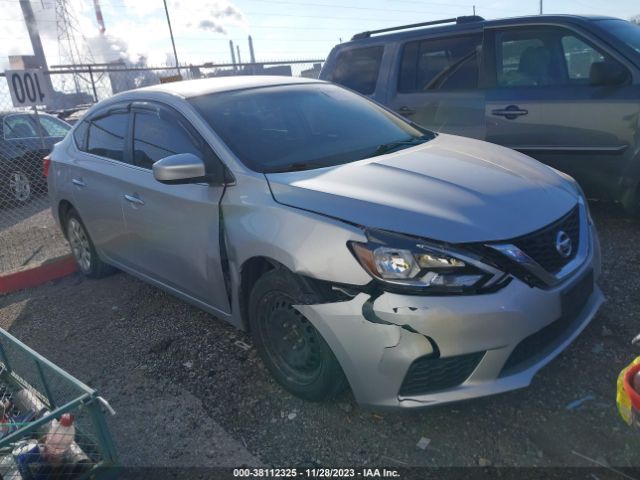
[[118, 335]]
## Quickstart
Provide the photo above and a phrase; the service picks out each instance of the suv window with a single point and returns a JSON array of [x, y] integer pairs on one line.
[[544, 56], [443, 64], [19, 126], [357, 69], [158, 135], [107, 136]]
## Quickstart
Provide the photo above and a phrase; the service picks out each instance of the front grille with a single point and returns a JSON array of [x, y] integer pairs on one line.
[[428, 374], [536, 346], [541, 245]]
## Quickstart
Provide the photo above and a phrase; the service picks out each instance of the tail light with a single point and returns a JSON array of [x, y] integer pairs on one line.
[[46, 163]]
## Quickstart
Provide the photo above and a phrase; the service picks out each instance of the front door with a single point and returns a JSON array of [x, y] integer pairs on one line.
[[543, 102], [174, 229], [435, 85]]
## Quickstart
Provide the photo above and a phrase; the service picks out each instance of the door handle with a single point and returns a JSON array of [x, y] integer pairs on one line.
[[134, 199], [404, 110], [510, 113], [78, 182]]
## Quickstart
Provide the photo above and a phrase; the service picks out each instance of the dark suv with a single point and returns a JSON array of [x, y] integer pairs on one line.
[[563, 89]]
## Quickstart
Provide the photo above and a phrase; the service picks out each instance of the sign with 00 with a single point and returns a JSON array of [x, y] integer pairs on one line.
[[28, 87]]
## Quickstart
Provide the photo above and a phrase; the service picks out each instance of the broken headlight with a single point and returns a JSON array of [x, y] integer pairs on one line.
[[408, 263]]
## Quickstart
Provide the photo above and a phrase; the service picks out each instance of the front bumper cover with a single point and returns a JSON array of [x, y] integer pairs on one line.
[[376, 355]]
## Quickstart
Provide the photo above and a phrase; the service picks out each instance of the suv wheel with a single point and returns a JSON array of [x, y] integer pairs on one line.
[[82, 248], [293, 350], [19, 187]]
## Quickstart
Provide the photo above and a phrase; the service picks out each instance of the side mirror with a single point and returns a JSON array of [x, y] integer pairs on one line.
[[607, 73], [179, 169]]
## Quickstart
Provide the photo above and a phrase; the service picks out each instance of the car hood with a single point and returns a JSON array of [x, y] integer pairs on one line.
[[452, 189]]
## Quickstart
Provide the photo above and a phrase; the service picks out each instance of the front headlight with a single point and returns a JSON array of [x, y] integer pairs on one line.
[[405, 262]]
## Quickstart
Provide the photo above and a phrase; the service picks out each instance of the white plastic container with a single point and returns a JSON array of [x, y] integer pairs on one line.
[[58, 439]]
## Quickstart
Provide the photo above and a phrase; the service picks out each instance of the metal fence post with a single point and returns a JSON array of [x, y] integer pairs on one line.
[[93, 85]]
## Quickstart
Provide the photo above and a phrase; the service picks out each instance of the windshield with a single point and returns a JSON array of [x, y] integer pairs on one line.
[[627, 32], [299, 127]]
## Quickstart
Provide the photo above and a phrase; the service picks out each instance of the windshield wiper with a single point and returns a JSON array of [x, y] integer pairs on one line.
[[295, 167], [390, 147]]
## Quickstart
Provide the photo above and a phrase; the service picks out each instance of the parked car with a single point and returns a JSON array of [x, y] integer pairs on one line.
[[353, 245], [563, 89], [25, 140]]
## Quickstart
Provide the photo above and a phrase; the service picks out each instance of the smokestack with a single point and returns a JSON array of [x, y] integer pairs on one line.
[[251, 54], [233, 53], [34, 34], [239, 59], [99, 17]]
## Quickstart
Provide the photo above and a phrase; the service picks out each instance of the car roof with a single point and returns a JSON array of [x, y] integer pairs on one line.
[[470, 26], [204, 86]]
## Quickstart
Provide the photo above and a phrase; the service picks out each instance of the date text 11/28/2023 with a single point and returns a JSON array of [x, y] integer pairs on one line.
[[315, 473]]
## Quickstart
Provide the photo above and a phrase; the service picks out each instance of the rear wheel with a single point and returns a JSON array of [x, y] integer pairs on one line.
[[83, 249], [293, 350]]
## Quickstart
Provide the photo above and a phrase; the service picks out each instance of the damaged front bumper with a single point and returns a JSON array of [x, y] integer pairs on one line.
[[415, 351]]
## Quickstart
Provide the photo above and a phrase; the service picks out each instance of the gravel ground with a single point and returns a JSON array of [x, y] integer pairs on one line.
[[29, 235], [125, 337]]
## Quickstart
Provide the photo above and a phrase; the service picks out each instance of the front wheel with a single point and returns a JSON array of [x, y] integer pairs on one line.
[[293, 350], [83, 249]]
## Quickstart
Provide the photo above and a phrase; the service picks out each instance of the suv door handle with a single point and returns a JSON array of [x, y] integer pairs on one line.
[[404, 110], [510, 113], [78, 182], [135, 199]]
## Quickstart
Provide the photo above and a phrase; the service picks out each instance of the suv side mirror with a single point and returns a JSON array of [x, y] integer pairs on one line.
[[607, 73], [179, 169]]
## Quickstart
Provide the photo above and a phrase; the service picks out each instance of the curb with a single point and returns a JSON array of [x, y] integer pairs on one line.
[[48, 270]]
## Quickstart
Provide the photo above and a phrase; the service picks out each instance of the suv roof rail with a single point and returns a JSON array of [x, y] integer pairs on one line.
[[463, 19]]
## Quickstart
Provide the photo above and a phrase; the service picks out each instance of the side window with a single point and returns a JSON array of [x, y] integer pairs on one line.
[[579, 57], [107, 136], [358, 68], [440, 64], [52, 127], [544, 56], [19, 126], [80, 135], [157, 136]]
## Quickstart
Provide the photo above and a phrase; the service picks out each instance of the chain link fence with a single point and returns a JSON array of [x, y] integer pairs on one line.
[[28, 233]]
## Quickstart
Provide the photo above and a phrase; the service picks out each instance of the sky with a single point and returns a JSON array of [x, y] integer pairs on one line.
[[281, 29]]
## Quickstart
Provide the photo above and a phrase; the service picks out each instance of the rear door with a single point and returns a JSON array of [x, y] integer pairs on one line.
[[173, 229], [95, 177], [435, 84], [542, 102]]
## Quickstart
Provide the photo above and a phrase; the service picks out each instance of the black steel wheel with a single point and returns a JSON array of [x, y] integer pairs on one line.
[[293, 350]]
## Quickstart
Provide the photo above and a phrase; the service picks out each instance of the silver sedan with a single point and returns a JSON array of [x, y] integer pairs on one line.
[[357, 248]]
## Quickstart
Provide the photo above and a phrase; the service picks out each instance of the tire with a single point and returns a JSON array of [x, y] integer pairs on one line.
[[19, 187], [292, 349], [83, 249]]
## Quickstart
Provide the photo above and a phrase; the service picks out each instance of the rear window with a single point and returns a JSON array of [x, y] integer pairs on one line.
[[358, 68]]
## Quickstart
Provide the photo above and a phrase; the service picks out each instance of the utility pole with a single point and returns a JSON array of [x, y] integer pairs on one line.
[[173, 42], [474, 10], [540, 7]]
